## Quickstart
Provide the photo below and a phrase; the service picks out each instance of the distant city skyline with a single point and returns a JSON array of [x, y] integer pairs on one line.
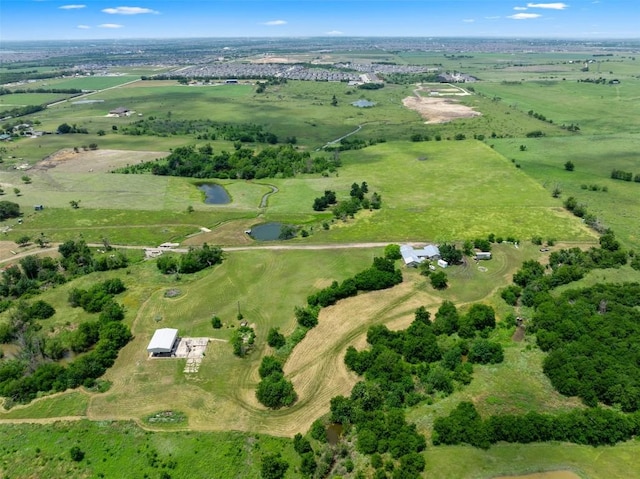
[[22, 20]]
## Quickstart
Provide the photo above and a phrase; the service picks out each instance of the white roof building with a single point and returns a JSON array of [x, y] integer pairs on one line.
[[163, 341], [413, 257]]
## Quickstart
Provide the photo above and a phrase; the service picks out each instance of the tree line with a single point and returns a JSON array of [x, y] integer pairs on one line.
[[624, 175], [204, 129], [593, 427], [194, 260]]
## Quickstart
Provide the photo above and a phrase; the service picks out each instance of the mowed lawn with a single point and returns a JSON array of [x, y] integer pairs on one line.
[[436, 191], [594, 157]]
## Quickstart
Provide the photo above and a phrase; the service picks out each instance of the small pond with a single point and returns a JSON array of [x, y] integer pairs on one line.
[[334, 432], [214, 194], [363, 103], [266, 232]]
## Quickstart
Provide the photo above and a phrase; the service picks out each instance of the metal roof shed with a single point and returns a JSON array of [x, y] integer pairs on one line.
[[163, 341]]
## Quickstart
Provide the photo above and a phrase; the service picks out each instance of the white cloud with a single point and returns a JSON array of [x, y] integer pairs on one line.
[[110, 25], [492, 18], [524, 16], [519, 8], [334, 32], [551, 6], [468, 20], [84, 27], [275, 23], [128, 11], [71, 7]]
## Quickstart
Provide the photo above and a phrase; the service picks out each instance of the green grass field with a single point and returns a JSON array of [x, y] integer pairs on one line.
[[594, 157], [438, 191]]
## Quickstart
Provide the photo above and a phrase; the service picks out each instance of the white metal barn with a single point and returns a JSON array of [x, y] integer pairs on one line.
[[163, 341]]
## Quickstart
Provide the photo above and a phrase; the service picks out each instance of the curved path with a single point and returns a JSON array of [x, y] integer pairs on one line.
[[265, 197], [333, 142]]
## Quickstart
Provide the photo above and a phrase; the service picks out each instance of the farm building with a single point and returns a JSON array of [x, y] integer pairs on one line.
[[442, 263], [163, 342], [413, 257], [120, 111], [483, 255]]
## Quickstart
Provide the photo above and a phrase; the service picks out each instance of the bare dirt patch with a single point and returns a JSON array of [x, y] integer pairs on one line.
[[435, 109], [439, 109], [100, 161]]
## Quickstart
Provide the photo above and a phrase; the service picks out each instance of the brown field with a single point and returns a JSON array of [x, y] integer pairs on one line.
[[439, 109], [99, 161]]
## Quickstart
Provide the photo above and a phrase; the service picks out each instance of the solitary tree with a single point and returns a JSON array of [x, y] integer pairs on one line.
[[439, 280], [76, 453], [569, 166], [23, 240], [273, 466]]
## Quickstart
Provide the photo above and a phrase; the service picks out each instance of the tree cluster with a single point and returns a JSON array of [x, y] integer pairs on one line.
[[65, 128], [77, 259], [534, 281], [407, 366], [591, 336], [323, 202], [358, 200], [274, 390], [242, 340], [194, 260], [34, 371], [203, 129], [242, 163], [9, 209]]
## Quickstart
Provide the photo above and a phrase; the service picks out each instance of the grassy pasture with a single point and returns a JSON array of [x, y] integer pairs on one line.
[[460, 190], [122, 449], [23, 99], [67, 404], [119, 449], [587, 462], [84, 83], [594, 158], [588, 105]]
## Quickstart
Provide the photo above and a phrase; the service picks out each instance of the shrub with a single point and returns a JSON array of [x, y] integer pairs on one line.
[[275, 338]]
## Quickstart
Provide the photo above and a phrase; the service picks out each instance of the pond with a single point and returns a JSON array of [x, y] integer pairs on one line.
[[363, 103], [214, 194], [334, 431], [266, 232]]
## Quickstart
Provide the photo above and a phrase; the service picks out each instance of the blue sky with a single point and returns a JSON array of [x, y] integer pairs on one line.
[[97, 19]]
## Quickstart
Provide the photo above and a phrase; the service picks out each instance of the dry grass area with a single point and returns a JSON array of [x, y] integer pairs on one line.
[[227, 233], [99, 161]]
